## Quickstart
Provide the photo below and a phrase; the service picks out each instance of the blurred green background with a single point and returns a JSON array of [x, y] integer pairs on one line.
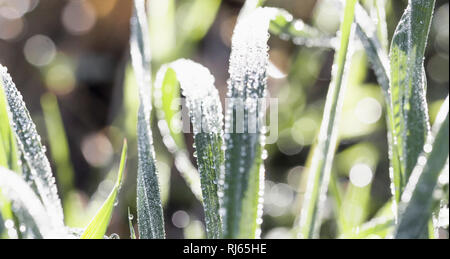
[[69, 58]]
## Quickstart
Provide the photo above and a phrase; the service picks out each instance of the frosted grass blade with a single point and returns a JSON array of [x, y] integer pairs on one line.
[[367, 33], [28, 205], [29, 143], [167, 100], [205, 110], [149, 209], [320, 169], [243, 138], [96, 229], [408, 86], [417, 200]]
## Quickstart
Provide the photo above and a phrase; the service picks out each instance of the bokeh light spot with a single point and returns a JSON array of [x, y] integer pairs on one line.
[[78, 17], [39, 50], [368, 110], [360, 175]]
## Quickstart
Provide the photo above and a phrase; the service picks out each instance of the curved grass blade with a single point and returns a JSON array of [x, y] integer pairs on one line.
[[149, 208], [410, 125], [205, 110], [29, 143], [96, 229], [167, 101], [27, 205], [319, 171], [417, 199]]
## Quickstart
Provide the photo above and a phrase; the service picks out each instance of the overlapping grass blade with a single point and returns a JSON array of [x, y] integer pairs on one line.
[[96, 229], [410, 125], [416, 205], [319, 171], [29, 143], [149, 208], [205, 110], [27, 206]]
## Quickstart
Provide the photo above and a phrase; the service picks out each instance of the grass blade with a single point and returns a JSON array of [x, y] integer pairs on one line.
[[319, 171], [205, 110], [29, 143], [410, 125], [96, 229], [149, 208], [244, 170], [59, 146], [417, 199], [167, 101], [26, 205]]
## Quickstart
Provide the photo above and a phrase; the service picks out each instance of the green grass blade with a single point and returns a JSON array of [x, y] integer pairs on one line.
[[205, 110], [59, 146], [417, 199], [320, 169], [244, 169], [96, 229], [410, 125], [149, 207], [29, 143]]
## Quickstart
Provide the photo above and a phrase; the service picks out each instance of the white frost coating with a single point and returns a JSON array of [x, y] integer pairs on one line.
[[29, 143], [20, 193], [202, 98], [249, 55]]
